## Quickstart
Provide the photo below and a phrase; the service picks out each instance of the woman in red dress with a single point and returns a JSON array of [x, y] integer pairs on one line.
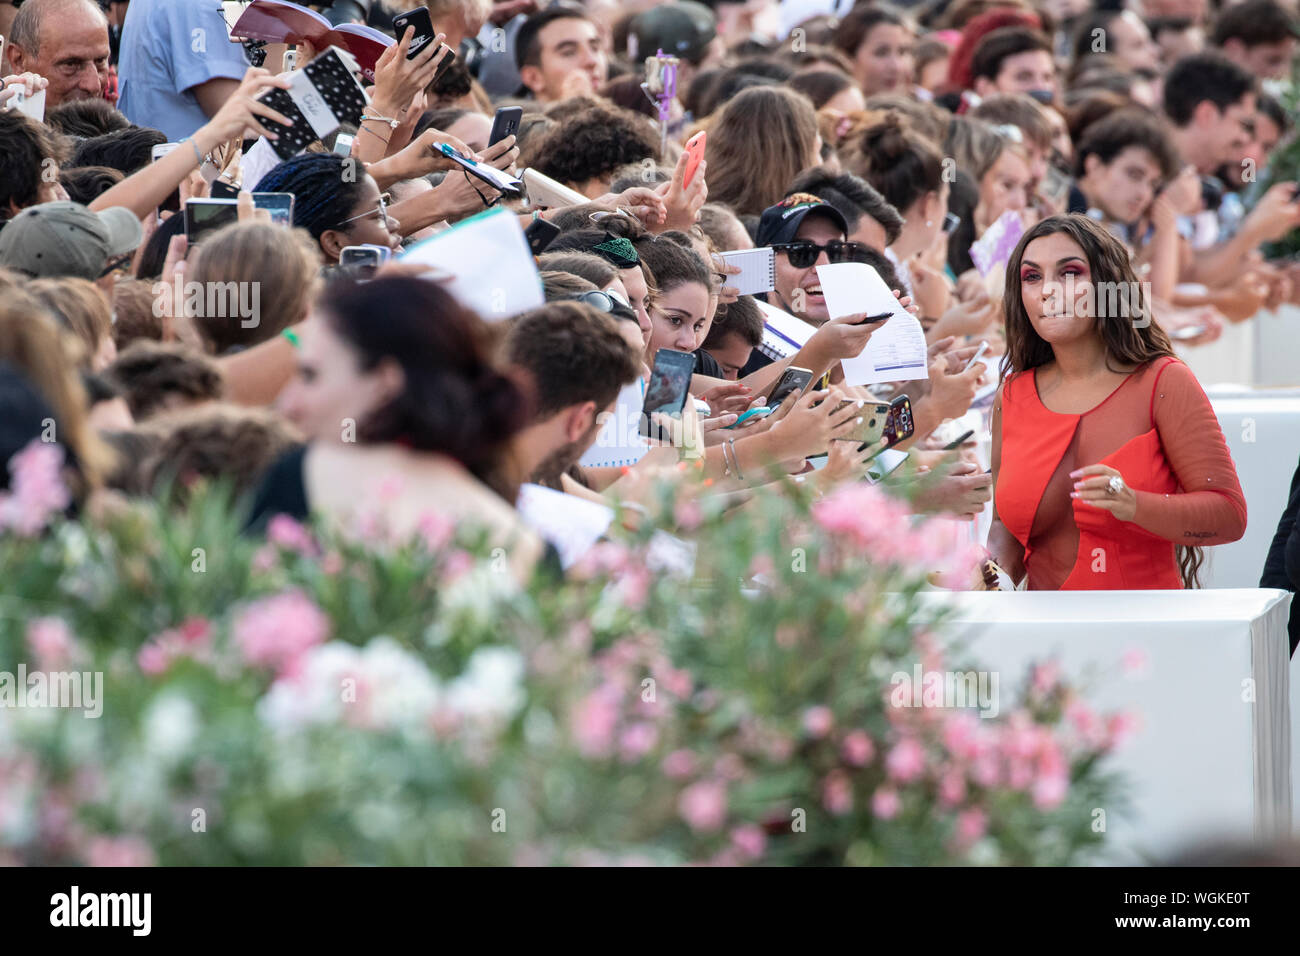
[[1109, 467]]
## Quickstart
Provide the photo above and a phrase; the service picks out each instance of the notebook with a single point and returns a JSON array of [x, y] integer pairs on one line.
[[322, 96], [757, 270], [783, 333], [570, 523], [277, 21]]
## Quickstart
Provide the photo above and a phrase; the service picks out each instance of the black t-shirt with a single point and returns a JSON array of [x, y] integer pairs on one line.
[[282, 491], [706, 364]]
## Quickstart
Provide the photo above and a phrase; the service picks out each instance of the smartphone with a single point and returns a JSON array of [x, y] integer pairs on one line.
[[883, 465], [670, 382], [423, 23], [279, 205], [505, 123], [220, 190], [695, 154], [661, 76], [1054, 185], [503, 182], [203, 216], [540, 234], [793, 379], [751, 413], [343, 144], [875, 417], [161, 150], [899, 425], [950, 223], [958, 442], [32, 106], [289, 61], [363, 260], [979, 354]]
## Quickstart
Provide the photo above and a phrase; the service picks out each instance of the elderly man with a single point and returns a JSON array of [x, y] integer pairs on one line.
[[65, 41]]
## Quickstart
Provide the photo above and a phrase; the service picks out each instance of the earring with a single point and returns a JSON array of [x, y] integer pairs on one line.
[[929, 223]]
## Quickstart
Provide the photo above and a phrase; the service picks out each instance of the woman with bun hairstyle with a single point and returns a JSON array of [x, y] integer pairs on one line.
[[1110, 470], [907, 169], [405, 418]]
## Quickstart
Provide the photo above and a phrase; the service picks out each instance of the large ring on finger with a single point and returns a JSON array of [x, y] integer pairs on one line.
[[1115, 486]]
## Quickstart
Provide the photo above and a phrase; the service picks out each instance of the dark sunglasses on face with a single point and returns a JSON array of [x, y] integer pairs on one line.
[[803, 252], [605, 303]]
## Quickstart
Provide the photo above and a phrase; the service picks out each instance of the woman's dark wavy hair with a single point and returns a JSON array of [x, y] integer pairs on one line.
[[1127, 342], [455, 401]]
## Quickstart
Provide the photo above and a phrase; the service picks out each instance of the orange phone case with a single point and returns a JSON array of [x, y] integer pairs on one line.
[[694, 150]]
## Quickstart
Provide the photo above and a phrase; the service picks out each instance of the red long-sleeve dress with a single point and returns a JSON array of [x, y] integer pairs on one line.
[[1159, 431]]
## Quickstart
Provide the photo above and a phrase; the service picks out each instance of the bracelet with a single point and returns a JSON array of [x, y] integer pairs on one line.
[[376, 135], [194, 146], [731, 443], [292, 336], [393, 124], [726, 462]]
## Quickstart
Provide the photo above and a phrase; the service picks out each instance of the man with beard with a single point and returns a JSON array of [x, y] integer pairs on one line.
[[574, 361]]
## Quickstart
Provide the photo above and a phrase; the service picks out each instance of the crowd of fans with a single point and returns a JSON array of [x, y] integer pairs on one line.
[[892, 136]]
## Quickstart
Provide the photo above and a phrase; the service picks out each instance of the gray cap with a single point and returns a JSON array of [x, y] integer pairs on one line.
[[67, 239]]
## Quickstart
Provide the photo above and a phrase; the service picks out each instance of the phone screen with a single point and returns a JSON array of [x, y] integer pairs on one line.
[[279, 205], [670, 381], [203, 216], [792, 380]]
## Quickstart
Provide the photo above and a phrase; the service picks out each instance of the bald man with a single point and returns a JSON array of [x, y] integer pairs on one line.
[[65, 41]]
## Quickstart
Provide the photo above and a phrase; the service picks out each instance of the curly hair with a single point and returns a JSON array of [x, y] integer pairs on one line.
[[323, 196], [592, 144]]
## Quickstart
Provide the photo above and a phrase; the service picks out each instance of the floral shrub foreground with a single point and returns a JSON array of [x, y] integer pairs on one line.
[[307, 700]]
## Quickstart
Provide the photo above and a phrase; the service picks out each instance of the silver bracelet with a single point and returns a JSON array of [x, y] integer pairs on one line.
[[194, 146], [736, 458]]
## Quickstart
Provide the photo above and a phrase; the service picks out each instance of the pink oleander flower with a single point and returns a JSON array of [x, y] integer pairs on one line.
[[678, 765], [837, 793], [594, 719], [153, 659], [703, 805], [952, 788], [265, 559], [193, 639], [749, 841], [276, 631], [818, 721], [885, 803], [436, 530], [38, 491], [1050, 790], [637, 740], [674, 681], [634, 586], [986, 771], [688, 514], [1020, 774], [857, 748], [971, 825], [961, 735], [291, 535], [1045, 677], [331, 564], [119, 851], [1134, 662], [1121, 726], [1090, 728], [906, 761], [457, 564], [51, 643], [762, 565]]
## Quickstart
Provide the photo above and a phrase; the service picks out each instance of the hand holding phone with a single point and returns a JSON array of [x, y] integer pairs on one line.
[[505, 123], [979, 354], [670, 383], [695, 153]]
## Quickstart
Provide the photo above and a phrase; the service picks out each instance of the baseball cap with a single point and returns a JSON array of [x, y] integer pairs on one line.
[[683, 29], [67, 239], [779, 223]]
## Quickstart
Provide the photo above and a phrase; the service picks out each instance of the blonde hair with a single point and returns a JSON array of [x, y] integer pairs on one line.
[[81, 306], [32, 341], [281, 264], [762, 138]]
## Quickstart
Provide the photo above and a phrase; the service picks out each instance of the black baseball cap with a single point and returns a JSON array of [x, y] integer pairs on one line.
[[779, 223]]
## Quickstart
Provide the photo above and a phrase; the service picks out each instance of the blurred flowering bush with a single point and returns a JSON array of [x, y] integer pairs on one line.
[[300, 698]]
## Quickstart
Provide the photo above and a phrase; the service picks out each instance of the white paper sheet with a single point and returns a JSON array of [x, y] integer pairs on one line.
[[896, 351], [570, 523], [492, 268]]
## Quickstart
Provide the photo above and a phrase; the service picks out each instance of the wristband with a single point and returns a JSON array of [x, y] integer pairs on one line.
[[292, 336], [194, 146]]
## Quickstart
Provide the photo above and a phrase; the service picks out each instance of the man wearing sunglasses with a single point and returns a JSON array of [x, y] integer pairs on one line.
[[805, 231]]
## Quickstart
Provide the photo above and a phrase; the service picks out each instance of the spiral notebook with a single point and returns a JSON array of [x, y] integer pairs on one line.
[[757, 270], [322, 96]]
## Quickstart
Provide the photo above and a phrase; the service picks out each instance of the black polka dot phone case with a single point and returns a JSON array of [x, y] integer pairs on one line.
[[325, 95]]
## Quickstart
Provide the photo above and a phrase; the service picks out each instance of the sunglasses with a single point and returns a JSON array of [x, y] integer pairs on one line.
[[381, 208], [605, 302], [804, 252]]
